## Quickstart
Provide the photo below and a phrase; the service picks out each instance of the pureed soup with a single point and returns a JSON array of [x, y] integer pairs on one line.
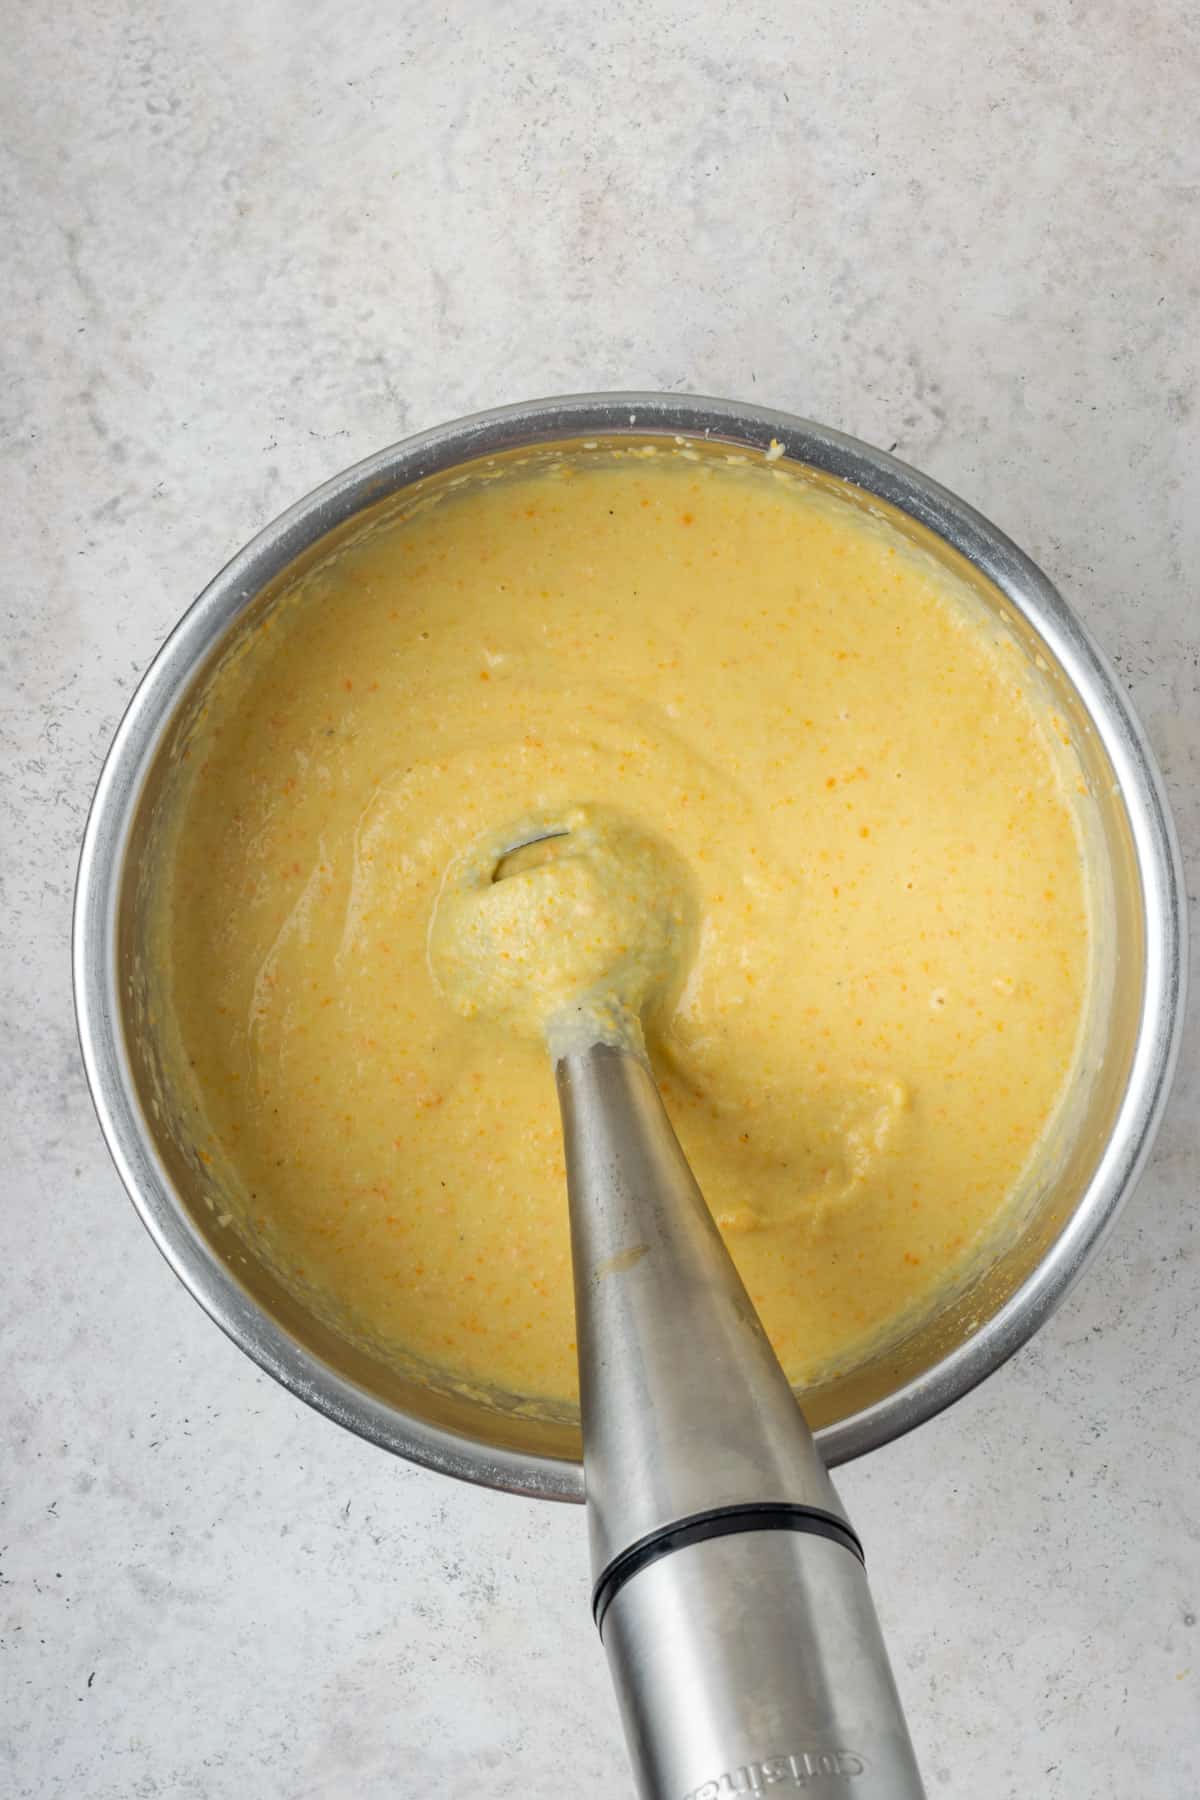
[[872, 838]]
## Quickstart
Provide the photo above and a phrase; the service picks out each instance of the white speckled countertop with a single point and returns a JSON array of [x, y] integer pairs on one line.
[[244, 246]]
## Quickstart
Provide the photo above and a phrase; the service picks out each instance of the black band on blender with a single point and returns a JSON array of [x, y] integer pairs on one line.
[[722, 1521]]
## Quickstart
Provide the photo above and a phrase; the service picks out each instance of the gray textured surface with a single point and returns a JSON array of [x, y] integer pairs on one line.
[[245, 245]]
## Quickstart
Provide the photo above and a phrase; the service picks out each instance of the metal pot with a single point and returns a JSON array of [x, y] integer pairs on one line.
[[1109, 1120]]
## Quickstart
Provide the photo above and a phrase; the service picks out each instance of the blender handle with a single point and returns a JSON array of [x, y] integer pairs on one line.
[[752, 1661], [730, 1589]]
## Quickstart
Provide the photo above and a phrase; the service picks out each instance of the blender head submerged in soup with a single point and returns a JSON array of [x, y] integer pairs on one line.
[[877, 861]]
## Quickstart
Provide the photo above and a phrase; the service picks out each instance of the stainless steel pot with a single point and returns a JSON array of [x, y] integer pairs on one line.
[[1109, 1124]]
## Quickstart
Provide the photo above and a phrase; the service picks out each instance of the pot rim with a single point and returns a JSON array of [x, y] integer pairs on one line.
[[152, 707]]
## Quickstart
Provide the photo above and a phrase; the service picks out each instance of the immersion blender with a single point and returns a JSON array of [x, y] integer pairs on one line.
[[730, 1590]]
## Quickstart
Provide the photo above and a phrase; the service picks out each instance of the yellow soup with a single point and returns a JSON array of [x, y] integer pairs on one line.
[[869, 830]]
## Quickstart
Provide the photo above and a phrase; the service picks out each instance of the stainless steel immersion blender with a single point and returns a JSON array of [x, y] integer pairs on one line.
[[730, 1590]]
